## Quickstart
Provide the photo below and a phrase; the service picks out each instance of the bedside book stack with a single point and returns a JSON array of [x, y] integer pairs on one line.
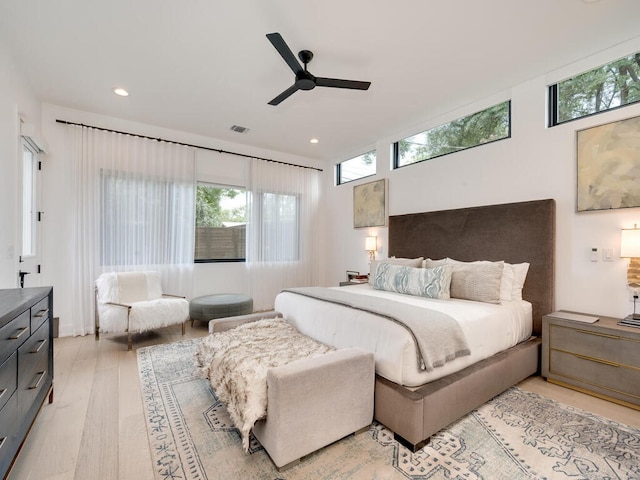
[[630, 321]]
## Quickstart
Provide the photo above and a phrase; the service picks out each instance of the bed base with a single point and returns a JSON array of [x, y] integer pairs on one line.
[[414, 414]]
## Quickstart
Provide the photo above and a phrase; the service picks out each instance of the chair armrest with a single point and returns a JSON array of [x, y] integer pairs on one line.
[[175, 296], [227, 323], [117, 304]]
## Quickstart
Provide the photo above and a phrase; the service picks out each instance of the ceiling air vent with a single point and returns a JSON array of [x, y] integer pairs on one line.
[[239, 129]]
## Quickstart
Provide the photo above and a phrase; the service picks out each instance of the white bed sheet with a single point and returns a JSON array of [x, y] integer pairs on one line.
[[488, 328]]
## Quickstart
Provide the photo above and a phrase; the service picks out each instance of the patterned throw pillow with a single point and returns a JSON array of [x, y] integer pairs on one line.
[[423, 282], [407, 262]]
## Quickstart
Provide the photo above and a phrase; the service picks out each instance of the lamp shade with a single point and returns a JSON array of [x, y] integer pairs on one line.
[[630, 243], [370, 243]]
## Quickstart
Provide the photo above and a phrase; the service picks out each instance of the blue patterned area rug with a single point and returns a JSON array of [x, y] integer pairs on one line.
[[517, 435]]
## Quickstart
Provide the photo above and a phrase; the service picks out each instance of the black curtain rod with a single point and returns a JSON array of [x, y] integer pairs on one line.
[[187, 145]]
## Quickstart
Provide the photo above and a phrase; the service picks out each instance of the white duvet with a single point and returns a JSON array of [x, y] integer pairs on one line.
[[488, 328]]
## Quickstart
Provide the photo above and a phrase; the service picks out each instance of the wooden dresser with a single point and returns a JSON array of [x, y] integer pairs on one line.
[[26, 364], [601, 358]]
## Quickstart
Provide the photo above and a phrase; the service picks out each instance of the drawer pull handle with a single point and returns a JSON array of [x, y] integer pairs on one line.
[[2, 440], [2, 392], [19, 334], [597, 360], [598, 334], [40, 377], [42, 313], [39, 347]]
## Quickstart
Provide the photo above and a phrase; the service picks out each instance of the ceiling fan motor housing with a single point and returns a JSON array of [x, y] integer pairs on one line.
[[305, 81]]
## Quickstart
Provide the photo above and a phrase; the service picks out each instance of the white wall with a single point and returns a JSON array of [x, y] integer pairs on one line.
[[59, 183], [535, 163], [16, 101]]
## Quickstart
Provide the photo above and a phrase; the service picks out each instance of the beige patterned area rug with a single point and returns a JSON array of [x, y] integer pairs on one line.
[[517, 435]]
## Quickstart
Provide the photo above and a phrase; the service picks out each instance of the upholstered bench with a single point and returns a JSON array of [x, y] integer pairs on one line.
[[313, 402], [219, 305]]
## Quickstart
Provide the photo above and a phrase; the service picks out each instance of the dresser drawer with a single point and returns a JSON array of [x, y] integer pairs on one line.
[[39, 313], [30, 388], [14, 334], [30, 353], [613, 348], [8, 426], [8, 378], [625, 381]]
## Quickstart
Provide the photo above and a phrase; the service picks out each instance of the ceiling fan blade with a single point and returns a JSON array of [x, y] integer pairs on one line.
[[285, 52], [284, 95], [338, 83]]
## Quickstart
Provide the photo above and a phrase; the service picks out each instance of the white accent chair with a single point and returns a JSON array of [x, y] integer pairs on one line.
[[133, 302]]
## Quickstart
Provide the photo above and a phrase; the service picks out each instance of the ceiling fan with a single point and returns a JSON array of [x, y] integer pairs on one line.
[[304, 79]]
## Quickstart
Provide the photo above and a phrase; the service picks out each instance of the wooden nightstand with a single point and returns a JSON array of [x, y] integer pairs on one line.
[[601, 358]]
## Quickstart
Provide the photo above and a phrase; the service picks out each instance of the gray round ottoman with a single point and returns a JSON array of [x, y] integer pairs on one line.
[[219, 305]]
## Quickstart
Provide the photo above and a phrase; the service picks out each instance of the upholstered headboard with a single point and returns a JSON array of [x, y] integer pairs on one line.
[[513, 232]]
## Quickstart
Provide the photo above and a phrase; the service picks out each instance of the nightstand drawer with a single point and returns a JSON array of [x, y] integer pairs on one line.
[[608, 376], [613, 348]]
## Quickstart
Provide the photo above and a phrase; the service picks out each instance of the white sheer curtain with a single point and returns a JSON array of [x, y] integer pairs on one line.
[[282, 245], [133, 209]]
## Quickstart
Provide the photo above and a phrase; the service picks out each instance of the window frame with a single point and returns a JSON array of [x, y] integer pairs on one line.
[[221, 260], [339, 168], [396, 145], [29, 220], [553, 97]]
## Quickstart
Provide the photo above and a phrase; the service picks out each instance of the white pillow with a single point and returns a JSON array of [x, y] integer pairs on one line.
[[520, 271], [429, 263], [506, 285]]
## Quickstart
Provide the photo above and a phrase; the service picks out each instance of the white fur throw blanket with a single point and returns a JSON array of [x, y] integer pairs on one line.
[[236, 364]]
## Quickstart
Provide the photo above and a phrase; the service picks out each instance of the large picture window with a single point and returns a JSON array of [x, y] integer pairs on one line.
[[221, 223], [489, 125], [609, 86]]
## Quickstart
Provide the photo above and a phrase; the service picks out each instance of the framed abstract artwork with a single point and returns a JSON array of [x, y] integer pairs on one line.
[[609, 166], [370, 204]]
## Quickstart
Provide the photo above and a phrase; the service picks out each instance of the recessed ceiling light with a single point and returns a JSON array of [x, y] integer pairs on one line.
[[314, 140], [121, 92]]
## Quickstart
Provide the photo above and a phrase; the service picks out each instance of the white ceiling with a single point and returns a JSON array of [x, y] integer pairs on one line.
[[201, 66]]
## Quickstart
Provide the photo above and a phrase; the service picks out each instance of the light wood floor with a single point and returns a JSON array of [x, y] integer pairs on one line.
[[95, 427]]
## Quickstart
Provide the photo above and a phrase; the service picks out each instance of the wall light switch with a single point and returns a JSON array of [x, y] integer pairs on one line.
[[594, 254], [607, 255]]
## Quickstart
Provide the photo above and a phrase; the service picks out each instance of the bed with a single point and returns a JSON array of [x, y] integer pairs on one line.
[[416, 403]]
